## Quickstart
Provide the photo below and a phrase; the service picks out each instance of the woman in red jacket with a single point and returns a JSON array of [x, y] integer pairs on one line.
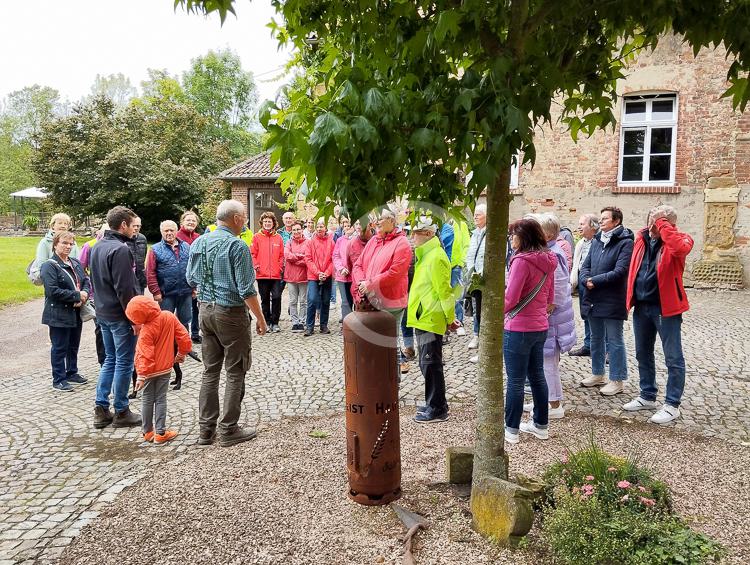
[[268, 258], [319, 259], [295, 275]]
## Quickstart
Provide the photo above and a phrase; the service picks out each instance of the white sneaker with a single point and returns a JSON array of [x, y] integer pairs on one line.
[[461, 331], [639, 404], [530, 428], [474, 358], [665, 415], [553, 414], [474, 343], [512, 438], [594, 380], [612, 388]]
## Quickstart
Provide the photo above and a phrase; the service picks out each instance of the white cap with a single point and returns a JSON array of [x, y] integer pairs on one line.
[[425, 223]]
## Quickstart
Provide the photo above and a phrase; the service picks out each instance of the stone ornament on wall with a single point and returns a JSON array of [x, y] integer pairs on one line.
[[719, 266]]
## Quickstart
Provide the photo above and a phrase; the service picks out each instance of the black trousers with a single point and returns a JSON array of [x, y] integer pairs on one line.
[[270, 299], [431, 364]]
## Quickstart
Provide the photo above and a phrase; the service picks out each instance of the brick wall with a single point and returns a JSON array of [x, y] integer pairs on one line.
[[712, 140]]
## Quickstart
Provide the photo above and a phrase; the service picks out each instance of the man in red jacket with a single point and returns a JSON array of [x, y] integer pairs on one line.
[[655, 289]]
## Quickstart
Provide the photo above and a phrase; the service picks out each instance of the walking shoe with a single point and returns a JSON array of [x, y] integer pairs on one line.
[[428, 417], [275, 328], [102, 417], [308, 332], [530, 428], [296, 328], [324, 330], [594, 380], [580, 352], [665, 415], [612, 388], [206, 437], [126, 419], [165, 437], [405, 368], [639, 404], [149, 436], [512, 438], [474, 343], [196, 339], [77, 379], [409, 353], [63, 386], [474, 358], [133, 395], [237, 435], [461, 331], [553, 413]]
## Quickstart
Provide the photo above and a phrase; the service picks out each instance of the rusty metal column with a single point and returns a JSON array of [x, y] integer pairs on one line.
[[373, 446]]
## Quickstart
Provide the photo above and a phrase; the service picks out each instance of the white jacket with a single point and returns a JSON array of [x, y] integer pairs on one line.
[[475, 253], [578, 257]]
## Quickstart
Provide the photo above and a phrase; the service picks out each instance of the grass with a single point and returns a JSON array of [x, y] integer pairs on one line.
[[15, 255]]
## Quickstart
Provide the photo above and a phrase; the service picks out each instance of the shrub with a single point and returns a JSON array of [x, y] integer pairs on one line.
[[588, 531], [31, 221]]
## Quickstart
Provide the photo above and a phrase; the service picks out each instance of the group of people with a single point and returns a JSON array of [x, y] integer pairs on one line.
[[426, 275]]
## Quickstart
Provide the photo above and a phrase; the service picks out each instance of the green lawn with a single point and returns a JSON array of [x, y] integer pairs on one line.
[[15, 255]]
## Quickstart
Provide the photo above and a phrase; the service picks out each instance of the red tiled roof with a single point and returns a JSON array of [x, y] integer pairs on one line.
[[254, 168]]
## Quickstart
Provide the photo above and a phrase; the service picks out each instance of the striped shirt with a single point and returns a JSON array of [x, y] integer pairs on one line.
[[221, 268]]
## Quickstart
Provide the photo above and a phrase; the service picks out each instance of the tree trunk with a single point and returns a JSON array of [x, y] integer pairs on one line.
[[489, 450]]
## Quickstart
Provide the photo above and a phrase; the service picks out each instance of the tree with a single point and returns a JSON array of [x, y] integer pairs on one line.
[[116, 87], [155, 157], [411, 92], [225, 94], [27, 109]]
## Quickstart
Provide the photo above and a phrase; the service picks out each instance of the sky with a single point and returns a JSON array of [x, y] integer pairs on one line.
[[66, 43]]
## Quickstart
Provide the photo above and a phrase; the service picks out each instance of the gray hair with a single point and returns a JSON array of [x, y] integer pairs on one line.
[[592, 220], [481, 209], [387, 213], [165, 223], [550, 224], [669, 211], [228, 208]]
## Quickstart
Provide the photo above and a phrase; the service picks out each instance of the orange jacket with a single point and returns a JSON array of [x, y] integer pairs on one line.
[[268, 255], [160, 331]]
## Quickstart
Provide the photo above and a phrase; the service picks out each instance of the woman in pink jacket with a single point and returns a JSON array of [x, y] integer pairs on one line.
[[528, 295], [318, 256], [341, 272], [295, 275]]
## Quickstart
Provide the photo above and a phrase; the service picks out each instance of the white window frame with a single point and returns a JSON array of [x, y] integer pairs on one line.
[[514, 167], [647, 124]]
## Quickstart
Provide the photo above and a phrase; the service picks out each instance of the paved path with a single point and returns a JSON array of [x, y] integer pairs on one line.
[[57, 473]]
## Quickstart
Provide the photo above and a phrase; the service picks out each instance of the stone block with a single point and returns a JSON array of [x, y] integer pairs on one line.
[[501, 510], [459, 464], [721, 182]]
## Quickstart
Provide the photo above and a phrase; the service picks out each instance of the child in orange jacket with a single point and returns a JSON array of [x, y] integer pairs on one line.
[[159, 333]]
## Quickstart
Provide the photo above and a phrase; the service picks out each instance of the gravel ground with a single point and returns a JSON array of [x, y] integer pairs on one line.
[[281, 498]]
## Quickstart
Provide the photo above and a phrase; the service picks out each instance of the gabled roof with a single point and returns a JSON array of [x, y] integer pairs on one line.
[[254, 168]]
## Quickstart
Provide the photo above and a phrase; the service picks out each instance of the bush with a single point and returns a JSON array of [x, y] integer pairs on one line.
[[587, 531], [602, 509], [31, 221]]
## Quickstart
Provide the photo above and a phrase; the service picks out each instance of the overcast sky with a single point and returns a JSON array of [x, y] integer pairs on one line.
[[66, 43]]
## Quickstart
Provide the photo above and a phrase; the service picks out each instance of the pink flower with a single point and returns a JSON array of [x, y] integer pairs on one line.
[[576, 490], [611, 469], [587, 490], [564, 459], [625, 498], [623, 484], [642, 489], [647, 501], [589, 477]]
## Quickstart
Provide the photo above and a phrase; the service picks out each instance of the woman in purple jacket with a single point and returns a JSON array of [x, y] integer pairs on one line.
[[561, 335], [528, 295]]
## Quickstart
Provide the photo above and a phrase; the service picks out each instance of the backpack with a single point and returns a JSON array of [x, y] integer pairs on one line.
[[34, 272]]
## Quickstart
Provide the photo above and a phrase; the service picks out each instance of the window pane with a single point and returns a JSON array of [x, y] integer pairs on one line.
[[661, 140], [635, 111], [662, 110], [632, 168], [659, 167], [634, 142]]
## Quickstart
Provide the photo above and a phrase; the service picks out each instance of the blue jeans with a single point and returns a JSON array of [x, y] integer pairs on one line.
[[64, 352], [455, 281], [586, 325], [523, 353], [606, 332], [318, 298], [407, 332], [647, 323], [181, 305], [114, 376]]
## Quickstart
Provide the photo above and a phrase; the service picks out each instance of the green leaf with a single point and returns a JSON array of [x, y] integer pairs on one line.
[[423, 138], [374, 103], [464, 99], [329, 126], [364, 132], [447, 24], [348, 95]]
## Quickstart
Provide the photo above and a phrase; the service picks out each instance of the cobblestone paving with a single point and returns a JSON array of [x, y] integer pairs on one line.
[[57, 473]]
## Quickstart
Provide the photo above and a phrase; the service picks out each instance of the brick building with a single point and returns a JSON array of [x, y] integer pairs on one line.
[[677, 142]]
